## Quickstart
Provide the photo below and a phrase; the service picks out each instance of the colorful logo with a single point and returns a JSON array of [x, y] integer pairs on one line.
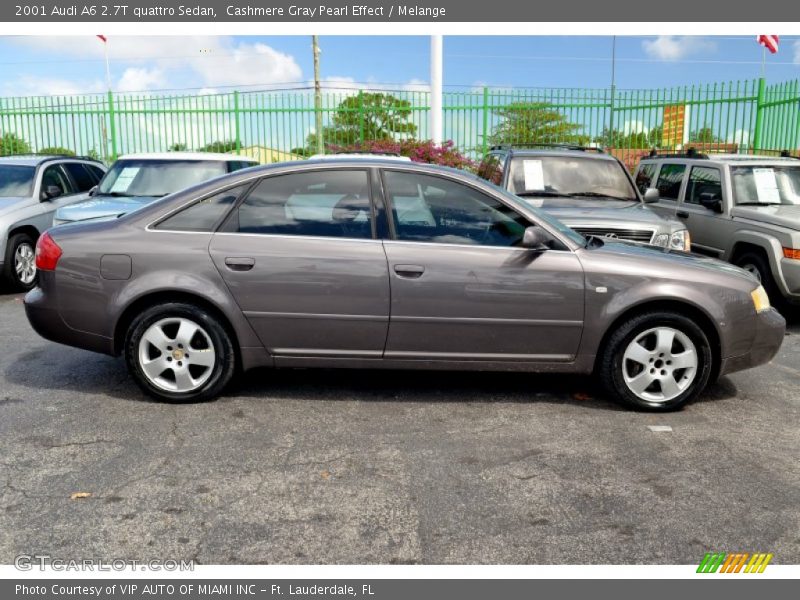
[[736, 562]]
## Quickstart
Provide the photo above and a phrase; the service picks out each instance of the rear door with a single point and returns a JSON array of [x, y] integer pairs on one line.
[[300, 256], [463, 288]]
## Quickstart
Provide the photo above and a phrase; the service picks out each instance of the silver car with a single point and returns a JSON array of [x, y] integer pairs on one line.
[[32, 188], [376, 263]]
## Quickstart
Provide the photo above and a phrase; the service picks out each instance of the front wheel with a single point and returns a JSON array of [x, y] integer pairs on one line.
[[179, 353], [656, 361]]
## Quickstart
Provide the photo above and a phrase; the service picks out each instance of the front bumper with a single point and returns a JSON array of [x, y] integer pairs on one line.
[[790, 279], [769, 335], [43, 315]]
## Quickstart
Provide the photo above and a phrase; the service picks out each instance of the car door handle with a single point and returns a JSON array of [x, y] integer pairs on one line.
[[682, 214], [409, 271], [239, 263]]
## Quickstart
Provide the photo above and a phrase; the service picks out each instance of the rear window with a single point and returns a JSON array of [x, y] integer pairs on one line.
[[137, 177], [669, 181], [16, 180], [205, 214]]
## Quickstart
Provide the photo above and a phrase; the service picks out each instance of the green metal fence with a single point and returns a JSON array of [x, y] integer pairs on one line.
[[743, 116]]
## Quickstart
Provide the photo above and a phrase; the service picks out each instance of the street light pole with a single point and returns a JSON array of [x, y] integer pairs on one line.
[[436, 89], [317, 97]]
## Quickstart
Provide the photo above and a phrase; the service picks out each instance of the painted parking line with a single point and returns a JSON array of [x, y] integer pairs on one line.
[[659, 428]]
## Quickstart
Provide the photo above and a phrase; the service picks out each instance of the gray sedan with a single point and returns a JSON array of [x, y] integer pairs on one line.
[[373, 263]]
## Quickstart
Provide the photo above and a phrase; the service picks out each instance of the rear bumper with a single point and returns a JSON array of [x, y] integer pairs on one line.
[[42, 312], [769, 335]]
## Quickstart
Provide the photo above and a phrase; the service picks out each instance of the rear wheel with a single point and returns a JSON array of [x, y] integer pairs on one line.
[[656, 361], [179, 353], [20, 262]]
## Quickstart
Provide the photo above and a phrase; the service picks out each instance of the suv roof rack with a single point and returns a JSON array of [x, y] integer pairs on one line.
[[690, 153], [367, 152], [553, 145]]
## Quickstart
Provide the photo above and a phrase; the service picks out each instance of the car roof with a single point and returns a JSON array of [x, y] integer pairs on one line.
[[34, 160], [188, 156], [726, 158], [360, 156], [591, 153]]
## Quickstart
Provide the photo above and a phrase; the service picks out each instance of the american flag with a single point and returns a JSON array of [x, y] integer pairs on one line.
[[104, 38], [770, 42]]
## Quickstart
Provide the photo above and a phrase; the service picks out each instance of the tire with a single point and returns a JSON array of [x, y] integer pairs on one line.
[[179, 352], [757, 264], [636, 353], [20, 270]]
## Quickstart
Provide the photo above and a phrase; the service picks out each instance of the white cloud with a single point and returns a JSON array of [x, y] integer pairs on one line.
[[138, 79], [31, 85], [671, 47], [796, 48]]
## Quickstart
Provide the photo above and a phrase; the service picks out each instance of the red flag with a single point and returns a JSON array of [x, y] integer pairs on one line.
[[102, 37], [770, 42]]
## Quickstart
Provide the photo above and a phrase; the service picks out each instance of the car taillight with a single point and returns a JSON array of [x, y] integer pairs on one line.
[[47, 253]]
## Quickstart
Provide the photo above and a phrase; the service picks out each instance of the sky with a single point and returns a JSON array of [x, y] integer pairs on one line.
[[54, 65]]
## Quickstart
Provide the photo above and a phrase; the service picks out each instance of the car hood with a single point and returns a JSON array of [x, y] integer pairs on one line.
[[782, 216], [9, 203], [102, 206], [597, 212], [654, 261]]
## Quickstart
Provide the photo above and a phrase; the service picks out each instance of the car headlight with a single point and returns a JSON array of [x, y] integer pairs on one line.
[[679, 240], [760, 299]]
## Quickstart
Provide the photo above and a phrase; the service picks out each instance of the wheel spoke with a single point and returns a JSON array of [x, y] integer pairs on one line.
[[638, 353], [640, 383], [157, 337], [203, 358], [183, 380], [185, 333], [669, 387], [664, 340], [684, 360], [154, 368]]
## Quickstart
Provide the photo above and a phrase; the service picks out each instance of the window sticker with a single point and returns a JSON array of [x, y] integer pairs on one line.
[[124, 180], [534, 174], [766, 186]]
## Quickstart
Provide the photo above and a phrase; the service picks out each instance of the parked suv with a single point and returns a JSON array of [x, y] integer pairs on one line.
[[32, 188], [586, 189], [138, 179], [742, 209]]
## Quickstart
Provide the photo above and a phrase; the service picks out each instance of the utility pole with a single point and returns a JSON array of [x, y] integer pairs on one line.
[[436, 89], [317, 97], [610, 141]]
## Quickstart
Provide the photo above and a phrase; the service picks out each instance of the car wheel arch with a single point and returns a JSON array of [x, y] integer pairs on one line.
[[26, 229], [687, 309]]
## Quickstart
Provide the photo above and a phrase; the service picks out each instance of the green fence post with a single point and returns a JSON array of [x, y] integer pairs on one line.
[[112, 127], [760, 98], [236, 121], [361, 116], [485, 119]]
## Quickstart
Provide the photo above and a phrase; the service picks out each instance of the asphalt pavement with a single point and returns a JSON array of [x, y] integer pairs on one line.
[[358, 467]]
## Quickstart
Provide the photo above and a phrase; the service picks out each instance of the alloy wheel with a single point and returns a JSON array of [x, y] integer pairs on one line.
[[25, 263]]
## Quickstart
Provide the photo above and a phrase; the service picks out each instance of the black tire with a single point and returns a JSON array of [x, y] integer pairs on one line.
[[9, 271], [225, 355], [610, 364], [758, 264]]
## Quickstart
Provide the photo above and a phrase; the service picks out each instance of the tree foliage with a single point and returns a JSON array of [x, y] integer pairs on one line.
[[535, 123], [704, 135], [218, 146], [11, 143], [57, 150]]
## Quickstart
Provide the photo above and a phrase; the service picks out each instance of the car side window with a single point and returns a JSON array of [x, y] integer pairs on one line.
[[703, 180], [97, 172], [205, 214], [644, 176], [328, 203], [426, 208], [669, 181], [81, 176], [55, 176]]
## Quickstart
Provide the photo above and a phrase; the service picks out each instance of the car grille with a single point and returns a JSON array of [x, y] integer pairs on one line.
[[643, 236]]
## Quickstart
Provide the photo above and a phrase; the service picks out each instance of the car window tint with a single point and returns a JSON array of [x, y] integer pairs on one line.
[[53, 175], [703, 180], [82, 178], [669, 181], [204, 214], [644, 177], [97, 172], [432, 209], [325, 203], [236, 165]]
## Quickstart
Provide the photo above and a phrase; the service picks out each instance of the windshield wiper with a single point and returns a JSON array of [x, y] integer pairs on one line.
[[116, 194], [545, 193], [598, 195], [759, 204]]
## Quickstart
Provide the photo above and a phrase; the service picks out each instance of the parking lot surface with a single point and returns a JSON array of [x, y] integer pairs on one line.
[[388, 467]]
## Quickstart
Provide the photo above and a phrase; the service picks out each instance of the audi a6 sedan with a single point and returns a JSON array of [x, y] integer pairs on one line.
[[373, 263]]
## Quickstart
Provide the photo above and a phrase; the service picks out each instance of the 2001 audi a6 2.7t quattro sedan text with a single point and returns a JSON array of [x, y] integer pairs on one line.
[[377, 263]]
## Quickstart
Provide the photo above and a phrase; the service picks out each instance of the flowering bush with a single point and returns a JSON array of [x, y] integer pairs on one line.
[[445, 154]]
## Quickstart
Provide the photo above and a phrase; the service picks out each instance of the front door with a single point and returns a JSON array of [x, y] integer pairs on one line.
[[462, 286], [710, 230], [300, 257]]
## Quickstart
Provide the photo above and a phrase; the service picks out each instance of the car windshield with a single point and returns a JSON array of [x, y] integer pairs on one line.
[[570, 177], [767, 185], [137, 177], [16, 180]]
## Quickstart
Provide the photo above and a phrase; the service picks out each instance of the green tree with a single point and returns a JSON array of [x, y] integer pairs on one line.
[[57, 150], [219, 146], [704, 135], [180, 147], [11, 143], [535, 123]]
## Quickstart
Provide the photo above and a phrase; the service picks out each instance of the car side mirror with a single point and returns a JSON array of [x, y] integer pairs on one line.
[[711, 202], [51, 191], [535, 238], [93, 191], [651, 195]]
